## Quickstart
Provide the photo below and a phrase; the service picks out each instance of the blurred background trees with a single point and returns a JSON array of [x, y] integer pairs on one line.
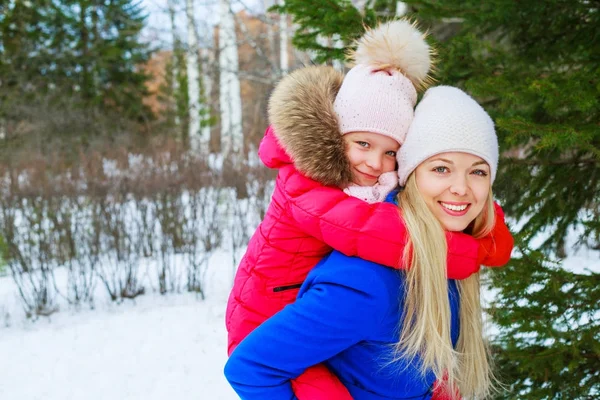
[[70, 69], [113, 150]]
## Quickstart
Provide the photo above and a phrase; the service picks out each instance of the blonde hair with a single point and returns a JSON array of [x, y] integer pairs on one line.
[[425, 330]]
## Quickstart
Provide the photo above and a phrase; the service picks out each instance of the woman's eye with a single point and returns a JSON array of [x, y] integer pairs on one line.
[[480, 172], [362, 144], [441, 170], [391, 153]]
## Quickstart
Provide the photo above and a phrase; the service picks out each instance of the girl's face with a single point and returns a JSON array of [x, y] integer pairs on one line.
[[455, 187], [370, 155]]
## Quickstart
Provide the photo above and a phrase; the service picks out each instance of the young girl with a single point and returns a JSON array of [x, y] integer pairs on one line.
[[331, 134], [389, 334]]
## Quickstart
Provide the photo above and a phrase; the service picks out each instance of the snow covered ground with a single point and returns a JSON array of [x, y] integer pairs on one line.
[[156, 347]]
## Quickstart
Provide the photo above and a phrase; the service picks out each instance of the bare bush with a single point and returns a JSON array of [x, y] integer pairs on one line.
[[203, 234], [119, 248], [31, 253], [75, 247], [100, 221]]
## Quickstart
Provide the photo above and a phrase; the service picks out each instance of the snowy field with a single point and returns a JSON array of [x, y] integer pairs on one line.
[[156, 347]]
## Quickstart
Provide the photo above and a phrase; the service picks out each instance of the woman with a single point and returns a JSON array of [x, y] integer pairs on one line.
[[390, 334]]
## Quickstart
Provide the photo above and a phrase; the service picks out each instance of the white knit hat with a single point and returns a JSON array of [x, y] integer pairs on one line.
[[448, 120], [379, 95]]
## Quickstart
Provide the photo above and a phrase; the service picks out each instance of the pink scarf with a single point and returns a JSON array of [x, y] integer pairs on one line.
[[376, 193]]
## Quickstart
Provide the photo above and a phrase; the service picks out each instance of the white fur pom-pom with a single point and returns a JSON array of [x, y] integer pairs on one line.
[[397, 44]]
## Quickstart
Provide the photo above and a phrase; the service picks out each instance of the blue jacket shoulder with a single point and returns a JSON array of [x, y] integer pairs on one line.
[[353, 273]]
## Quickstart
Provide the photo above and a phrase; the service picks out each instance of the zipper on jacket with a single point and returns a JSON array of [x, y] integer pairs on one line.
[[287, 287]]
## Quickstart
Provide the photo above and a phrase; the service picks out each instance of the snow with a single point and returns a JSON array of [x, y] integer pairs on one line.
[[153, 347]]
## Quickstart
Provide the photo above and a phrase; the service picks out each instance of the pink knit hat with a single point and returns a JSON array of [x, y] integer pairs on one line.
[[379, 94]]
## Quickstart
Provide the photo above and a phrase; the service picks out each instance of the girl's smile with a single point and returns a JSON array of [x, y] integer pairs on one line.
[[367, 176]]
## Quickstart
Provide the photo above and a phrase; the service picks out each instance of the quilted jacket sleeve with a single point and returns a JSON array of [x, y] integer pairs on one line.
[[319, 383], [374, 232]]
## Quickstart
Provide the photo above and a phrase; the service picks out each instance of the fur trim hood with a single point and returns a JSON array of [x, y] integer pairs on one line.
[[306, 125]]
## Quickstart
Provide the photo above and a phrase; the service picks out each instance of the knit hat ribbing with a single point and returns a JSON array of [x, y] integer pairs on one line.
[[378, 95], [448, 120]]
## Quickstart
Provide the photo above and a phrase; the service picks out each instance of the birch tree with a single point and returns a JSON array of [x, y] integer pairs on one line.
[[193, 73], [207, 57], [230, 100], [270, 32], [283, 43], [175, 61]]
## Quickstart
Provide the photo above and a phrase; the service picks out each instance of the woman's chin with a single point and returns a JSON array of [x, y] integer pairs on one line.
[[454, 225]]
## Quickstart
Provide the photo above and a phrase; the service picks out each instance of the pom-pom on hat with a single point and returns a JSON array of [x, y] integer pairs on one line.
[[448, 120], [379, 94]]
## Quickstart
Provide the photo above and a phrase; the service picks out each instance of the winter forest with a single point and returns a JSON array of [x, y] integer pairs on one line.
[[130, 183]]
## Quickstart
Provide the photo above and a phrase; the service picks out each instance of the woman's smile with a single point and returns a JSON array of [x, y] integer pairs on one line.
[[454, 208]]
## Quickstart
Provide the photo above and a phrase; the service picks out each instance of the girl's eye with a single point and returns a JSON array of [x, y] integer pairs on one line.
[[362, 144], [391, 153], [480, 172], [441, 170]]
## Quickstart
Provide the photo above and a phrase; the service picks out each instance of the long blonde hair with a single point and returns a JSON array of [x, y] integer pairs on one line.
[[425, 330]]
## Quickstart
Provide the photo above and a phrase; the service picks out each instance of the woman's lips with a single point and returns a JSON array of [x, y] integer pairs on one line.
[[455, 209]]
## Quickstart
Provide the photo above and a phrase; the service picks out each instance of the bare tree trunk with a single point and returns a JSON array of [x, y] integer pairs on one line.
[[270, 32], [175, 61], [196, 141], [207, 57], [232, 139], [283, 44]]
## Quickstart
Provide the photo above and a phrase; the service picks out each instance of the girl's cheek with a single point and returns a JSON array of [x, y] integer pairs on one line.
[[390, 165]]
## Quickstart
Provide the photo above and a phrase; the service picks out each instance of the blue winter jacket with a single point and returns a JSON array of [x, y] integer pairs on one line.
[[347, 315]]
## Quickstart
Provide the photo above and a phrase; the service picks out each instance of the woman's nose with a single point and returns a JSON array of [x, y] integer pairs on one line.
[[459, 186]]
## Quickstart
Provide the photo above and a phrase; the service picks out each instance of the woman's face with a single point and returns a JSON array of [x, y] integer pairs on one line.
[[370, 155], [455, 187]]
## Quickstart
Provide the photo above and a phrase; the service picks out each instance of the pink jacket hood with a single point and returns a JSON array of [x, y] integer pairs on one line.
[[270, 151]]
